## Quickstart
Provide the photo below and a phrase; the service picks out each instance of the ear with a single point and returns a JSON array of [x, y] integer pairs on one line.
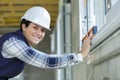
[[23, 27]]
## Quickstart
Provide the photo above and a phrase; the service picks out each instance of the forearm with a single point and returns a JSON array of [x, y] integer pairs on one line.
[[44, 60], [40, 59]]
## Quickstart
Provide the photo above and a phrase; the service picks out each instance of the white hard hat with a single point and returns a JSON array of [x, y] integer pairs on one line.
[[39, 16]]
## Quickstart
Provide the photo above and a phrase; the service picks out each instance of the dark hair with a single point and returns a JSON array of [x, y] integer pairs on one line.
[[24, 21]]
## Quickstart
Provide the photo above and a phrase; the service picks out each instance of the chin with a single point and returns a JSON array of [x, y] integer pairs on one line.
[[34, 43], [37, 42]]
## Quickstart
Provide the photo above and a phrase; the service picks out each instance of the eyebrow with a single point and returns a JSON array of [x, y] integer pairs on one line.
[[39, 26]]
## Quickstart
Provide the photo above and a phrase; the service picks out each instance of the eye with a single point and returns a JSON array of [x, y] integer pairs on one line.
[[35, 27], [43, 30]]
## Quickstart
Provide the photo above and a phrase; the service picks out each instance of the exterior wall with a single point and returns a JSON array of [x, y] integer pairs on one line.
[[75, 31], [105, 59], [103, 62]]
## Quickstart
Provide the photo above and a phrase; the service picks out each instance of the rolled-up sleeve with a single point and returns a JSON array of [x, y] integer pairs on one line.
[[17, 48]]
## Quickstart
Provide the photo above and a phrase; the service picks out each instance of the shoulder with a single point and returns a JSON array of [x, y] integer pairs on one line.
[[5, 37], [11, 36]]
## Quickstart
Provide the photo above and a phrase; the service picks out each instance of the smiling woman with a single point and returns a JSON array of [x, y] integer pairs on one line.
[[16, 47], [33, 33], [34, 23]]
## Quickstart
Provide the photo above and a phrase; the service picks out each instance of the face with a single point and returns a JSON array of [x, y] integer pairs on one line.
[[33, 33]]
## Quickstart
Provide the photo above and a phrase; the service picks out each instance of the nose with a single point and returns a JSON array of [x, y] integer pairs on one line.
[[40, 32]]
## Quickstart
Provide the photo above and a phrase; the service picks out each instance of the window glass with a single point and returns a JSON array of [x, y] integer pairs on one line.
[[113, 2], [109, 4]]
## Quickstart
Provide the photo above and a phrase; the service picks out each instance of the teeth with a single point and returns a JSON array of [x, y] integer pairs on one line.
[[36, 38]]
